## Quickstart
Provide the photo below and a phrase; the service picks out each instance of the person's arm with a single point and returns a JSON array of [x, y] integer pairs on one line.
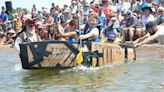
[[141, 38], [89, 35], [19, 40], [94, 32], [148, 40], [52, 22], [69, 34]]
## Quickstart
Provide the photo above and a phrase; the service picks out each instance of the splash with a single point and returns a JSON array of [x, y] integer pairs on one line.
[[17, 67], [87, 69]]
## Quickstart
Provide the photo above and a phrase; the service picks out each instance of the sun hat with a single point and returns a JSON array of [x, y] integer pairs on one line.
[[146, 6]]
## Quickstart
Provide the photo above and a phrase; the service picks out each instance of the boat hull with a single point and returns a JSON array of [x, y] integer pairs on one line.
[[62, 55]]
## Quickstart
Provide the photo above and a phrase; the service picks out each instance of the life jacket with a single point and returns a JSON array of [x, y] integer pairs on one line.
[[87, 30], [73, 39]]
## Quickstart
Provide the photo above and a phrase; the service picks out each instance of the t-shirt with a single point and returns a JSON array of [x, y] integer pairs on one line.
[[160, 32], [130, 21], [147, 19], [160, 19], [4, 17]]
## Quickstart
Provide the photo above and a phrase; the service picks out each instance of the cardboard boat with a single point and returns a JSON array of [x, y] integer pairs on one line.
[[62, 55]]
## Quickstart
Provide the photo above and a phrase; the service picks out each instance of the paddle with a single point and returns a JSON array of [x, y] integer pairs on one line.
[[79, 57]]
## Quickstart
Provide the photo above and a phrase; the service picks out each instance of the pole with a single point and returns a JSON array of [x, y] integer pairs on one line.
[[78, 3]]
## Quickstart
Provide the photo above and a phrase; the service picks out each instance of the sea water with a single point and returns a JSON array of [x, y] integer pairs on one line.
[[140, 76]]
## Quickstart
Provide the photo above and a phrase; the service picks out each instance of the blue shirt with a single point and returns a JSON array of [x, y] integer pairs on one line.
[[73, 39], [4, 17]]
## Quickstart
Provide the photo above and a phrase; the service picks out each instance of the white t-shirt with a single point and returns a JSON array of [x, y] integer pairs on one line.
[[160, 32], [126, 6], [146, 19]]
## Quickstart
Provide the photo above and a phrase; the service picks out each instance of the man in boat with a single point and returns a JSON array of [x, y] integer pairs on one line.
[[27, 34], [72, 34], [109, 36], [155, 31], [91, 32]]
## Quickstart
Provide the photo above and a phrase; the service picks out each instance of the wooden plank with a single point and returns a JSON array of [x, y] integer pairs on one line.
[[101, 58], [130, 55], [94, 62], [112, 54], [105, 54], [109, 56]]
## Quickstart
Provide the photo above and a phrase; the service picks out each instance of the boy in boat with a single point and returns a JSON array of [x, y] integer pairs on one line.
[[109, 36], [72, 34], [154, 32], [91, 32], [112, 38], [27, 34]]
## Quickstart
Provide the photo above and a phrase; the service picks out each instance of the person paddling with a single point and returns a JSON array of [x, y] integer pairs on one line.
[[27, 34], [156, 33]]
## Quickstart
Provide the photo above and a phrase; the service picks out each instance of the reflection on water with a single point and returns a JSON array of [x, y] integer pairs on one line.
[[75, 79], [141, 76]]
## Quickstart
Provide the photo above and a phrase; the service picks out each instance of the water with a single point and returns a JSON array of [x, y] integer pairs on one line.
[[141, 76]]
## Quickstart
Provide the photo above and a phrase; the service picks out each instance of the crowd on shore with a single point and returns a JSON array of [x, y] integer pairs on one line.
[[107, 21]]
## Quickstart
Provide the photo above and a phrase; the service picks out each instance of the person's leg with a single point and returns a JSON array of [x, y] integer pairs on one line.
[[131, 33], [3, 40], [139, 32], [124, 33]]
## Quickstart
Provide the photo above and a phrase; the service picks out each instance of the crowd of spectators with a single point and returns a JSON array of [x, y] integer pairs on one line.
[[110, 21]]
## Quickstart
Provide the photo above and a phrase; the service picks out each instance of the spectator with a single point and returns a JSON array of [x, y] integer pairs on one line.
[[52, 10], [4, 16], [160, 17], [129, 30], [146, 14]]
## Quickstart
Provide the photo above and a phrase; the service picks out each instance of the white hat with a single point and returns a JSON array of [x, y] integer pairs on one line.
[[113, 18], [11, 31], [74, 2], [160, 8], [96, 2]]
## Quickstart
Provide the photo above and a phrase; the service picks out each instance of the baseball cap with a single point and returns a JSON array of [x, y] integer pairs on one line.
[[111, 36], [129, 12]]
